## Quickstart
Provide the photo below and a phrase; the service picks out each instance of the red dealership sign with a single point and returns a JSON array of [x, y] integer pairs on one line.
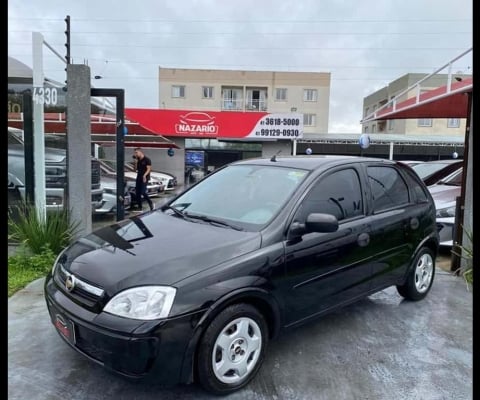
[[219, 124]]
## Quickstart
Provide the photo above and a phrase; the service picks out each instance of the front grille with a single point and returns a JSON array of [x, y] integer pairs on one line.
[[96, 197], [55, 176], [81, 293], [95, 174], [54, 201]]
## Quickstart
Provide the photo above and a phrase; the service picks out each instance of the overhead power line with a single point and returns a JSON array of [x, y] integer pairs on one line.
[[251, 20]]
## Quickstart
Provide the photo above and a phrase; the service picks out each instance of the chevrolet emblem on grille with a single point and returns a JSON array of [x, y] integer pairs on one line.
[[70, 283]]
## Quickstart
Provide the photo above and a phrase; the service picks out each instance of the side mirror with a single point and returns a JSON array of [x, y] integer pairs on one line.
[[315, 222]]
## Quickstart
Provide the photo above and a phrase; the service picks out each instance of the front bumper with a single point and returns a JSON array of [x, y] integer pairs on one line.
[[445, 228], [132, 348], [109, 203]]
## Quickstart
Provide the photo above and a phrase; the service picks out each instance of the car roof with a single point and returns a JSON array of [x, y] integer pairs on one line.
[[309, 162]]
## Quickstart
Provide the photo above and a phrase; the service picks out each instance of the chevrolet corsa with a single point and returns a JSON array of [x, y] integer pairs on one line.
[[195, 290]]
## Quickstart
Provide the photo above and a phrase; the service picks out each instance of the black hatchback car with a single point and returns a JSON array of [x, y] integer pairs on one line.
[[195, 290]]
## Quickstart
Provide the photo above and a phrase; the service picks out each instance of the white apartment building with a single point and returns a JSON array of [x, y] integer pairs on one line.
[[307, 93], [423, 126]]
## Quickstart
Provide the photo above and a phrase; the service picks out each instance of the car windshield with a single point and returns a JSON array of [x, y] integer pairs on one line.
[[426, 169], [454, 179], [244, 195]]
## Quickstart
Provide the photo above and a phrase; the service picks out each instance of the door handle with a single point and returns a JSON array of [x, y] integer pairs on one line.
[[363, 239]]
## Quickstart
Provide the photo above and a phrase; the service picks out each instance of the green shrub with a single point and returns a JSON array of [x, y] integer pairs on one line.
[[24, 267], [466, 253], [25, 227]]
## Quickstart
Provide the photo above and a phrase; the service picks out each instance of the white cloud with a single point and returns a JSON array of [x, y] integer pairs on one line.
[[364, 45]]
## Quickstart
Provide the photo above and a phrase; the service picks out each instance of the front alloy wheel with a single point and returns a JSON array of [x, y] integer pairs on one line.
[[232, 349], [236, 350]]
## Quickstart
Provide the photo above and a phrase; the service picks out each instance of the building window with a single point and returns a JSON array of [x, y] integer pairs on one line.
[[365, 129], [281, 94], [425, 122], [374, 128], [310, 95], [207, 92], [309, 119], [178, 91], [367, 110], [391, 124], [453, 123], [232, 99]]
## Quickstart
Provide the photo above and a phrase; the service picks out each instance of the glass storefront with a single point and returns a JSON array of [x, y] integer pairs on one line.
[[202, 156]]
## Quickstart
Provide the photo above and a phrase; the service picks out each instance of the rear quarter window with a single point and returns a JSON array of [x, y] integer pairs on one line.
[[389, 189], [418, 189]]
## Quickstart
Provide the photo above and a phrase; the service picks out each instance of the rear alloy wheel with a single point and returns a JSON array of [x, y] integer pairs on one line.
[[420, 278], [232, 349]]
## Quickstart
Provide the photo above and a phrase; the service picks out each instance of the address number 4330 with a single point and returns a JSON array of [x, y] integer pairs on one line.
[[48, 96]]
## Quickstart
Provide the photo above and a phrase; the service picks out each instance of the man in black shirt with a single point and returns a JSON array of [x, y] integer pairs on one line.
[[144, 166]]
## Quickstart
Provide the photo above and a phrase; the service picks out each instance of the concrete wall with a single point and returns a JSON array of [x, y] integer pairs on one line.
[[79, 146], [468, 204]]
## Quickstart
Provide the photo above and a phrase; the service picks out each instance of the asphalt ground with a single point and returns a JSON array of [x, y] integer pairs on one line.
[[381, 348]]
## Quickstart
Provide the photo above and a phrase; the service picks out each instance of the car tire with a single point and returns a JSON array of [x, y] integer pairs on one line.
[[232, 349], [420, 278]]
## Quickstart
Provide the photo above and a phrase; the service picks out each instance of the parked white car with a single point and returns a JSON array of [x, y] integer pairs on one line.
[[168, 181], [154, 187]]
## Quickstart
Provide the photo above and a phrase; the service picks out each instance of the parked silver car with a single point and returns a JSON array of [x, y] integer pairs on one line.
[[109, 196], [445, 193]]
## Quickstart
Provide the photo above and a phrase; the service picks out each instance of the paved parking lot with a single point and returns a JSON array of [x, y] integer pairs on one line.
[[380, 348]]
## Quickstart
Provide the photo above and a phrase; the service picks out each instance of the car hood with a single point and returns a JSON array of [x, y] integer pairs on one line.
[[153, 248], [131, 175], [52, 155]]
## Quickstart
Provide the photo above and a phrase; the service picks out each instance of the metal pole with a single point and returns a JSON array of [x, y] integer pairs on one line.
[[294, 152], [390, 157], [120, 142], [28, 148], [38, 125]]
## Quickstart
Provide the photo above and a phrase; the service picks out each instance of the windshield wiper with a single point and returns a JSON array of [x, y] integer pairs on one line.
[[448, 183], [176, 211], [213, 221]]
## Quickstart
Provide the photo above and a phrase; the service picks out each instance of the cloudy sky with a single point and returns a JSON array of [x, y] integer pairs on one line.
[[363, 44]]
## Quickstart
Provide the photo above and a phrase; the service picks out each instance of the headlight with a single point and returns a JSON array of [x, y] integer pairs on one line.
[[145, 302], [446, 212]]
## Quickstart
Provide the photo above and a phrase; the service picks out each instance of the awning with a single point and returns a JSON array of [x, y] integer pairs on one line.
[[449, 101], [103, 129]]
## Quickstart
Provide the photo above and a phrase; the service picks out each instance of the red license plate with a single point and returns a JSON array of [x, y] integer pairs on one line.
[[65, 328]]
